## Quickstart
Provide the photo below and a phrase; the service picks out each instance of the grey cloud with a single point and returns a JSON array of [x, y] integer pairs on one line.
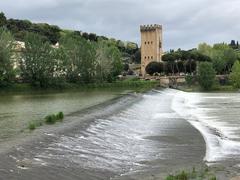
[[186, 22]]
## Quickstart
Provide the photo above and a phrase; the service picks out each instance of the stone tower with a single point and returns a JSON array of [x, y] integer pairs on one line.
[[151, 45]]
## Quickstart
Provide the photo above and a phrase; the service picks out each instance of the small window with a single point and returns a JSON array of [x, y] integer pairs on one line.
[[145, 57], [145, 42], [148, 57], [151, 57], [151, 42], [148, 42]]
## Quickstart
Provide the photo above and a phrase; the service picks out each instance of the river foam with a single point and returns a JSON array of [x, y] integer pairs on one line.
[[216, 119]]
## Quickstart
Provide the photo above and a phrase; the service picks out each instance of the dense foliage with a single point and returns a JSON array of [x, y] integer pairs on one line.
[[51, 33], [181, 61], [75, 61], [222, 56], [154, 67], [39, 64], [7, 73], [235, 75], [206, 75], [77, 58]]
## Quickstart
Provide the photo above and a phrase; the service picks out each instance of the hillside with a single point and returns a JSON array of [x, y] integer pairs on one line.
[[52, 33]]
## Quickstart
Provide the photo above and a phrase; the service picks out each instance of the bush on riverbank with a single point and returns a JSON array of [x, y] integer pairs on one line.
[[235, 75], [206, 75], [60, 116], [203, 174], [53, 118], [49, 119], [35, 124]]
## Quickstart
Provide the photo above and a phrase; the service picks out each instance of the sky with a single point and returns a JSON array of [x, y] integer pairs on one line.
[[186, 23]]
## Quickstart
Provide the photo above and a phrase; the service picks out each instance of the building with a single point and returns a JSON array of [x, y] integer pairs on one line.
[[151, 45]]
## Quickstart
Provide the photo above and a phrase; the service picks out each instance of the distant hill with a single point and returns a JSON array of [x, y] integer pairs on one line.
[[53, 33]]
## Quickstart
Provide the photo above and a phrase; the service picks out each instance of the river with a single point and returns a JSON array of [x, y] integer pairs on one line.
[[17, 110], [136, 137]]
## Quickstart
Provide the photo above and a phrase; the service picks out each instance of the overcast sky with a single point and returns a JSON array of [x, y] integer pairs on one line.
[[185, 22]]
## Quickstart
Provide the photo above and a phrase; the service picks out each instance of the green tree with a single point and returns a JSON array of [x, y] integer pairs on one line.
[[92, 37], [50, 32], [3, 19], [115, 56], [38, 64], [169, 58], [235, 75], [109, 64], [221, 55], [137, 57], [154, 67], [206, 75], [6, 57], [205, 49], [104, 64], [80, 55]]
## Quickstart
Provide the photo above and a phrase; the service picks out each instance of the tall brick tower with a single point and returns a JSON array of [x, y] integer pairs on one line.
[[151, 45]]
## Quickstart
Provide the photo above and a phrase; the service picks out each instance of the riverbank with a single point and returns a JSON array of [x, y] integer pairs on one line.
[[134, 84]]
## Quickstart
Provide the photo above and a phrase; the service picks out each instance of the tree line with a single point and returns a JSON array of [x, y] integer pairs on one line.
[[76, 60], [176, 62], [52, 34], [221, 56], [203, 64]]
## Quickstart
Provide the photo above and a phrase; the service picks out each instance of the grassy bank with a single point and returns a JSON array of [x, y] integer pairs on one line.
[[201, 174], [131, 84]]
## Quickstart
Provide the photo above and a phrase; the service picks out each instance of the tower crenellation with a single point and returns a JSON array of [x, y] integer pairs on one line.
[[150, 27]]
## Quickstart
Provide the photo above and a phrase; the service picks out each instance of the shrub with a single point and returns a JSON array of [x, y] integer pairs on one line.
[[182, 176], [235, 75], [154, 67], [206, 75], [189, 79], [34, 124], [51, 119], [213, 178], [60, 116], [190, 175], [31, 126]]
